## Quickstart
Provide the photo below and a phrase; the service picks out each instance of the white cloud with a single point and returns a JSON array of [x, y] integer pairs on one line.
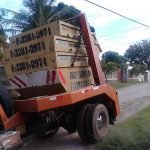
[[100, 18], [11, 4], [122, 43]]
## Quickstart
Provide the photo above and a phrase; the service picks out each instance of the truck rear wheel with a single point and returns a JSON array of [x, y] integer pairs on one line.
[[81, 123], [97, 121]]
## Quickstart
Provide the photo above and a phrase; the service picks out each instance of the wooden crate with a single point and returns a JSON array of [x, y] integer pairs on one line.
[[69, 45], [30, 64], [44, 61], [70, 60], [76, 78], [52, 81], [59, 28], [40, 46], [26, 50], [72, 45]]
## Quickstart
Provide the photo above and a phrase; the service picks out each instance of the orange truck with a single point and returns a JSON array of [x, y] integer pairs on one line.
[[88, 110]]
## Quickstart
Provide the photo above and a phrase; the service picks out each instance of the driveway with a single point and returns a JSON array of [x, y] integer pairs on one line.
[[132, 99]]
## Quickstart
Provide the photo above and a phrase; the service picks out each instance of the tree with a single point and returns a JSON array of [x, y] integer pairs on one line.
[[112, 56], [138, 70], [109, 67], [111, 61], [63, 11], [2, 36], [37, 13], [2, 40], [139, 53]]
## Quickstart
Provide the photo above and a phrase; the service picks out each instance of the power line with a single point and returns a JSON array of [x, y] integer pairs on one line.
[[125, 44], [114, 38], [114, 34], [111, 37], [118, 14]]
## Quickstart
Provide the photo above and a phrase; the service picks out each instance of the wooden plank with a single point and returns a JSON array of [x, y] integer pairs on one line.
[[55, 28], [73, 45], [37, 62], [70, 60], [29, 49], [47, 44], [52, 81], [69, 30], [76, 78], [69, 45], [30, 64]]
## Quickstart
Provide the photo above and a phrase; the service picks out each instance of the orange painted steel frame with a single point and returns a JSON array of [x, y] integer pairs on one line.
[[12, 122], [39, 104]]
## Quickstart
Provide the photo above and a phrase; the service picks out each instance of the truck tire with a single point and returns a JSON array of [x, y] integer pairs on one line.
[[97, 121], [81, 123], [5, 100]]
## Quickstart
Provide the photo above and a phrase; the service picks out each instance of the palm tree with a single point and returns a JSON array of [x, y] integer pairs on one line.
[[37, 13], [2, 41], [2, 36]]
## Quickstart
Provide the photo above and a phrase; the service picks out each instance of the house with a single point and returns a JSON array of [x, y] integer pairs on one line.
[[125, 75]]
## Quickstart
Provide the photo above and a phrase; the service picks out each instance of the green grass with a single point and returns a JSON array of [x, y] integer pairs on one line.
[[133, 134], [118, 85]]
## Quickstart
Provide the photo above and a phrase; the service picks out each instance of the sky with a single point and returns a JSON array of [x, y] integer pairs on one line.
[[113, 32]]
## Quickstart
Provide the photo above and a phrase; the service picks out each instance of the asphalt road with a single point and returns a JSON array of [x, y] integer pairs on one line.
[[132, 99], [138, 90]]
